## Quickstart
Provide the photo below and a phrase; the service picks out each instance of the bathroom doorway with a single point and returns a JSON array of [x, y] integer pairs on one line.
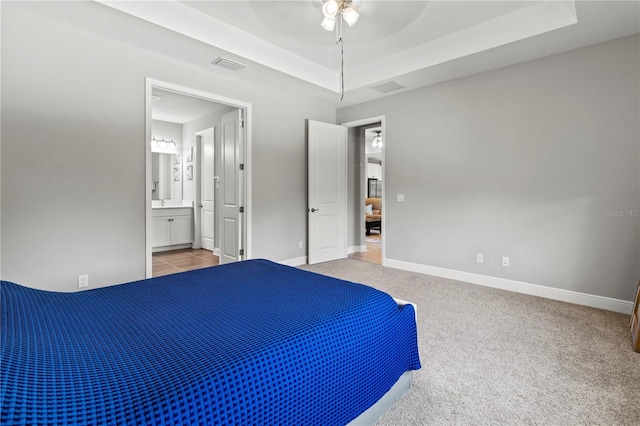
[[192, 128]]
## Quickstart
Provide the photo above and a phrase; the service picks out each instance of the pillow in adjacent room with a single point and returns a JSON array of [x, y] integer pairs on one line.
[[368, 209]]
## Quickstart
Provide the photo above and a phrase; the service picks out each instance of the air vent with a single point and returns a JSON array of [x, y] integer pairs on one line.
[[228, 64], [389, 86]]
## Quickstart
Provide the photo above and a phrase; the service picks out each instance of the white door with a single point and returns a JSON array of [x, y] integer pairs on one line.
[[327, 179], [231, 184], [207, 189]]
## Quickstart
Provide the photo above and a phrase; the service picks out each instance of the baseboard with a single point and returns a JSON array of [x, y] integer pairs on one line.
[[357, 249], [169, 248], [215, 250], [591, 300], [294, 262]]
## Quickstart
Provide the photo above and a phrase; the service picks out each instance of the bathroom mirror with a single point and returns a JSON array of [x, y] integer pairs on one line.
[[166, 173]]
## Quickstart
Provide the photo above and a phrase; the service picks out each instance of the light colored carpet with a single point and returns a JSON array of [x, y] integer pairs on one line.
[[494, 357]]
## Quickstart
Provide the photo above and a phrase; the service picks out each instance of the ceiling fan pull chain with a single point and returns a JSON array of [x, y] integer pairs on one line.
[[341, 69], [340, 41]]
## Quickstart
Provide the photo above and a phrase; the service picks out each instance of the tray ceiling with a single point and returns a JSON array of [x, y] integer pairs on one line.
[[411, 43]]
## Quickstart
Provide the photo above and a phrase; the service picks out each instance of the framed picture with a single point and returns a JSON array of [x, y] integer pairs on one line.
[[189, 155]]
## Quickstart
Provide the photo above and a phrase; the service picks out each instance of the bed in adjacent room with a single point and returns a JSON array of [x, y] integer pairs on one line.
[[253, 342]]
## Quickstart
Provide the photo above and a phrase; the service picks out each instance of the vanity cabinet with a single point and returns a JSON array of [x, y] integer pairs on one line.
[[172, 226]]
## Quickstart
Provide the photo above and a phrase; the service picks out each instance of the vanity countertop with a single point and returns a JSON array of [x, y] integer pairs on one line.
[[171, 204]]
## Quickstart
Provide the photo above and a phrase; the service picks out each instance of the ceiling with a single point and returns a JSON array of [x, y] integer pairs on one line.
[[177, 108], [411, 43]]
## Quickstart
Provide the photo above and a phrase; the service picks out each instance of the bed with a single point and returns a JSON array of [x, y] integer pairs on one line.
[[250, 343]]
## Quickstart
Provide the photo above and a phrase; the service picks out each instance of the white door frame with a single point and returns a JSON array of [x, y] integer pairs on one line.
[[150, 83], [364, 122]]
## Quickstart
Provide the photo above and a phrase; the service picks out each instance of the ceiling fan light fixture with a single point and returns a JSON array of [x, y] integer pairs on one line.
[[350, 16], [330, 8], [332, 11], [377, 140], [328, 23]]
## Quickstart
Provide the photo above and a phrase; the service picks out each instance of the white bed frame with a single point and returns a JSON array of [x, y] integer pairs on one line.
[[403, 384]]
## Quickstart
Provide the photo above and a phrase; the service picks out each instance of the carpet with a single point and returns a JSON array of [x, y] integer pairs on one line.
[[491, 356]]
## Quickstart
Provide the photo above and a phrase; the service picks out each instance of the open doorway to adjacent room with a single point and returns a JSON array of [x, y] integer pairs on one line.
[[365, 160], [189, 133]]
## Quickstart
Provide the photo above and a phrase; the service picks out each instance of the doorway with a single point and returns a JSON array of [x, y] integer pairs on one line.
[[336, 176], [201, 123], [369, 248], [367, 163]]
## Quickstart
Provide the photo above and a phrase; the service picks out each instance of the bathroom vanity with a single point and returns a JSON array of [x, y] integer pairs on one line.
[[172, 225]]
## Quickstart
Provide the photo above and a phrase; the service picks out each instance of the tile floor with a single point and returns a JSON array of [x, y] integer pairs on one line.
[[170, 262]]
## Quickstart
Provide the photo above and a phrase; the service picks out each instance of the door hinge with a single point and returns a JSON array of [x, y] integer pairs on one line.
[[241, 122], [241, 166], [241, 252], [241, 209]]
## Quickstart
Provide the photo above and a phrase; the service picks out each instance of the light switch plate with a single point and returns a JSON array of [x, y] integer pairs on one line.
[[400, 198]]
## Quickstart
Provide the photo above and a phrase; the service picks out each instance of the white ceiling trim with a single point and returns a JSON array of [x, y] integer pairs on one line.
[[515, 26], [199, 26]]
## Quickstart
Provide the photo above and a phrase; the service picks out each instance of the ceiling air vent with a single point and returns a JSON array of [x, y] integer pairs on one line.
[[389, 86], [228, 64]]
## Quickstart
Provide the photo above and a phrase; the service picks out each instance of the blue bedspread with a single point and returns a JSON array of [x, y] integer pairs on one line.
[[251, 343]]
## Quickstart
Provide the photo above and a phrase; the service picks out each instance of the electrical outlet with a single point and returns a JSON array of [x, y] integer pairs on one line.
[[479, 258], [83, 281], [299, 244], [505, 261]]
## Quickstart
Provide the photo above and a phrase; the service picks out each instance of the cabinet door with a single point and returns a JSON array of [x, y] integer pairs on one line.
[[161, 231], [181, 230]]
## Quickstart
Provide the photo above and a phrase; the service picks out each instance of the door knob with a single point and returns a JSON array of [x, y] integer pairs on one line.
[[314, 210]]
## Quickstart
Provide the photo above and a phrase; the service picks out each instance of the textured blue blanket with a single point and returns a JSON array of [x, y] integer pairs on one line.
[[251, 343]]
